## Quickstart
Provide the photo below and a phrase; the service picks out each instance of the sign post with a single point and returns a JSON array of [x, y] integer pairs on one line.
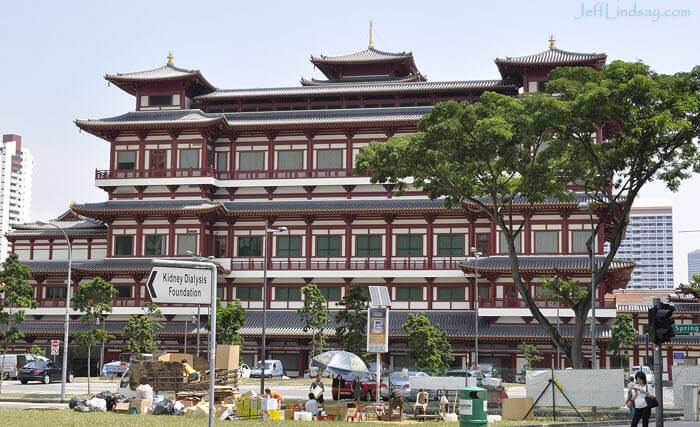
[[189, 282], [54, 347], [378, 330]]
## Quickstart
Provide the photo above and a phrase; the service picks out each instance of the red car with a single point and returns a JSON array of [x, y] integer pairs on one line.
[[342, 387]]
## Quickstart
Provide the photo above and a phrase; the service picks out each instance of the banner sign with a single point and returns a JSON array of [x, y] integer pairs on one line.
[[180, 285], [378, 330]]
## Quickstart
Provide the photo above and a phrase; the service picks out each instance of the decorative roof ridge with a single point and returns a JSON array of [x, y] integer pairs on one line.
[[369, 55], [135, 74], [378, 79], [550, 52]]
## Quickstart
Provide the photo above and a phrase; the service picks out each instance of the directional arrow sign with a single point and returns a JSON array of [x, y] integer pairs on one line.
[[686, 329], [180, 285]]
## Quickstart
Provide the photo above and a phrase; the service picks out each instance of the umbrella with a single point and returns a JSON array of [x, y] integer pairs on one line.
[[340, 362]]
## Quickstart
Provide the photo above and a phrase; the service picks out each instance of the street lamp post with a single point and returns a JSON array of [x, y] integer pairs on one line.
[[199, 327], [594, 362], [477, 254], [264, 299], [67, 318]]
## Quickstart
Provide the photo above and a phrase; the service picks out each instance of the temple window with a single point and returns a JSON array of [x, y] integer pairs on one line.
[[289, 246], [221, 161], [248, 293], [59, 293], [252, 161], [158, 100], [328, 246], [483, 243], [504, 243], [288, 293], [123, 291], [186, 243], [249, 246], [290, 160], [220, 245], [578, 241], [189, 159], [330, 293], [484, 292], [154, 245], [532, 87], [409, 293], [123, 245], [450, 293], [451, 244], [546, 242], [409, 244], [329, 159], [368, 245], [126, 160]]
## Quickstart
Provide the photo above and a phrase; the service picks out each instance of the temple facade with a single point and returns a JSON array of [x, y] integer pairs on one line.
[[198, 169]]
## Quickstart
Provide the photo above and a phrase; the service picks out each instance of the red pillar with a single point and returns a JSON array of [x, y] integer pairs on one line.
[[429, 220], [348, 240]]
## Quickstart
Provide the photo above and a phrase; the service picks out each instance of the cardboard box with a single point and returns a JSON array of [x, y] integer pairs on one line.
[[271, 415], [268, 404], [227, 356], [289, 414], [142, 406], [122, 407], [515, 409], [176, 357]]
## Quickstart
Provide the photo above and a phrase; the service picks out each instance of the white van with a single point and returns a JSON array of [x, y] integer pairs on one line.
[[273, 369], [15, 361]]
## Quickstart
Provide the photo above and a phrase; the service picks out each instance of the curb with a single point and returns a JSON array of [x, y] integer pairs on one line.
[[31, 400]]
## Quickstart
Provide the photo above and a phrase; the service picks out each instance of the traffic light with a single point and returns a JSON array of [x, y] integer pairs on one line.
[[661, 323]]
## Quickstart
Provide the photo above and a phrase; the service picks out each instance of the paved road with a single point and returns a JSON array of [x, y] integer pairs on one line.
[[14, 386]]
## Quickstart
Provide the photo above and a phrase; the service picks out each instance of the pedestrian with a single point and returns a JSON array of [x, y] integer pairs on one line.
[[317, 390], [396, 401], [641, 391], [630, 401], [356, 388], [274, 395]]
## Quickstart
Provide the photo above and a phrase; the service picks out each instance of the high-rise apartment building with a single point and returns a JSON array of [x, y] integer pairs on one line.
[[16, 164], [649, 243], [693, 263]]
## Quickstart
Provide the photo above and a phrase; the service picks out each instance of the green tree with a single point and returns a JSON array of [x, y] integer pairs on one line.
[[14, 283], [37, 351], [229, 320], [622, 336], [650, 126], [141, 331], [314, 315], [695, 285], [428, 346], [531, 354], [94, 299], [497, 157], [352, 320]]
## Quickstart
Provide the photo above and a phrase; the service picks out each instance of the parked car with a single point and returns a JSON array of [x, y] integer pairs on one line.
[[114, 369], [401, 381], [244, 371], [646, 370], [273, 368], [343, 386], [13, 362], [479, 375], [42, 371]]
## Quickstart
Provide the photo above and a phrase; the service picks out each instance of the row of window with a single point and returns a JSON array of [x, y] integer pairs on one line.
[[247, 160], [60, 292], [328, 246]]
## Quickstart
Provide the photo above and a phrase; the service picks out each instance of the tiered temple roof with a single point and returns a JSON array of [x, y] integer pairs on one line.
[[511, 67], [370, 63]]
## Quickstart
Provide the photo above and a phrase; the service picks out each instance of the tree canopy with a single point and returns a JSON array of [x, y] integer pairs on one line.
[[314, 315], [141, 331], [428, 346], [229, 319], [352, 319]]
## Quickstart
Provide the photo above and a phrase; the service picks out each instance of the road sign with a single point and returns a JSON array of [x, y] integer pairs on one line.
[[378, 330], [686, 329], [180, 285], [54, 347]]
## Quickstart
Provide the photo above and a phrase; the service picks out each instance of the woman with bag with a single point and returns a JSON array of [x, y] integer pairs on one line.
[[644, 400]]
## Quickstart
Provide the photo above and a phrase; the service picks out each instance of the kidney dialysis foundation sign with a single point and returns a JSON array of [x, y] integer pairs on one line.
[[378, 330], [180, 285]]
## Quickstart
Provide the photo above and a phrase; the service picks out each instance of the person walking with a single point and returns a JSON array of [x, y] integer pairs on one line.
[[317, 390], [641, 391], [356, 388]]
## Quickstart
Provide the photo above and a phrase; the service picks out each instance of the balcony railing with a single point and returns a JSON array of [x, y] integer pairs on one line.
[[223, 175], [355, 264], [518, 303]]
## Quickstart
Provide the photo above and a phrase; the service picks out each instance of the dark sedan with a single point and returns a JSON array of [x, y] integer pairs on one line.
[[42, 371]]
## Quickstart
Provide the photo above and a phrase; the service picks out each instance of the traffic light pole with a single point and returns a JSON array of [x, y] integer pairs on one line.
[[658, 386]]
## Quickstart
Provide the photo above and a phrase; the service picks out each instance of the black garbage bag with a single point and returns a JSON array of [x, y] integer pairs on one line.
[[164, 407], [109, 399], [75, 401], [120, 398], [82, 407]]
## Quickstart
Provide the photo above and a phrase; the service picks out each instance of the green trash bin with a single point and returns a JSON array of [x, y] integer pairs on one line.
[[472, 407]]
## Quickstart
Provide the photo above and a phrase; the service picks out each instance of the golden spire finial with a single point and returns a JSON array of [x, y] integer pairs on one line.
[[371, 45], [170, 57], [551, 41]]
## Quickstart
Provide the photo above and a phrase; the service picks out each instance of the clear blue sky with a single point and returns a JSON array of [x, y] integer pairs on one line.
[[54, 54]]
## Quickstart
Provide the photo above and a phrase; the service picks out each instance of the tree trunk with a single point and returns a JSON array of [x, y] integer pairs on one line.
[[580, 314], [2, 374]]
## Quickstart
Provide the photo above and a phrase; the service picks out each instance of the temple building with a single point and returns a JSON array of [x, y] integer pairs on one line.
[[198, 169]]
